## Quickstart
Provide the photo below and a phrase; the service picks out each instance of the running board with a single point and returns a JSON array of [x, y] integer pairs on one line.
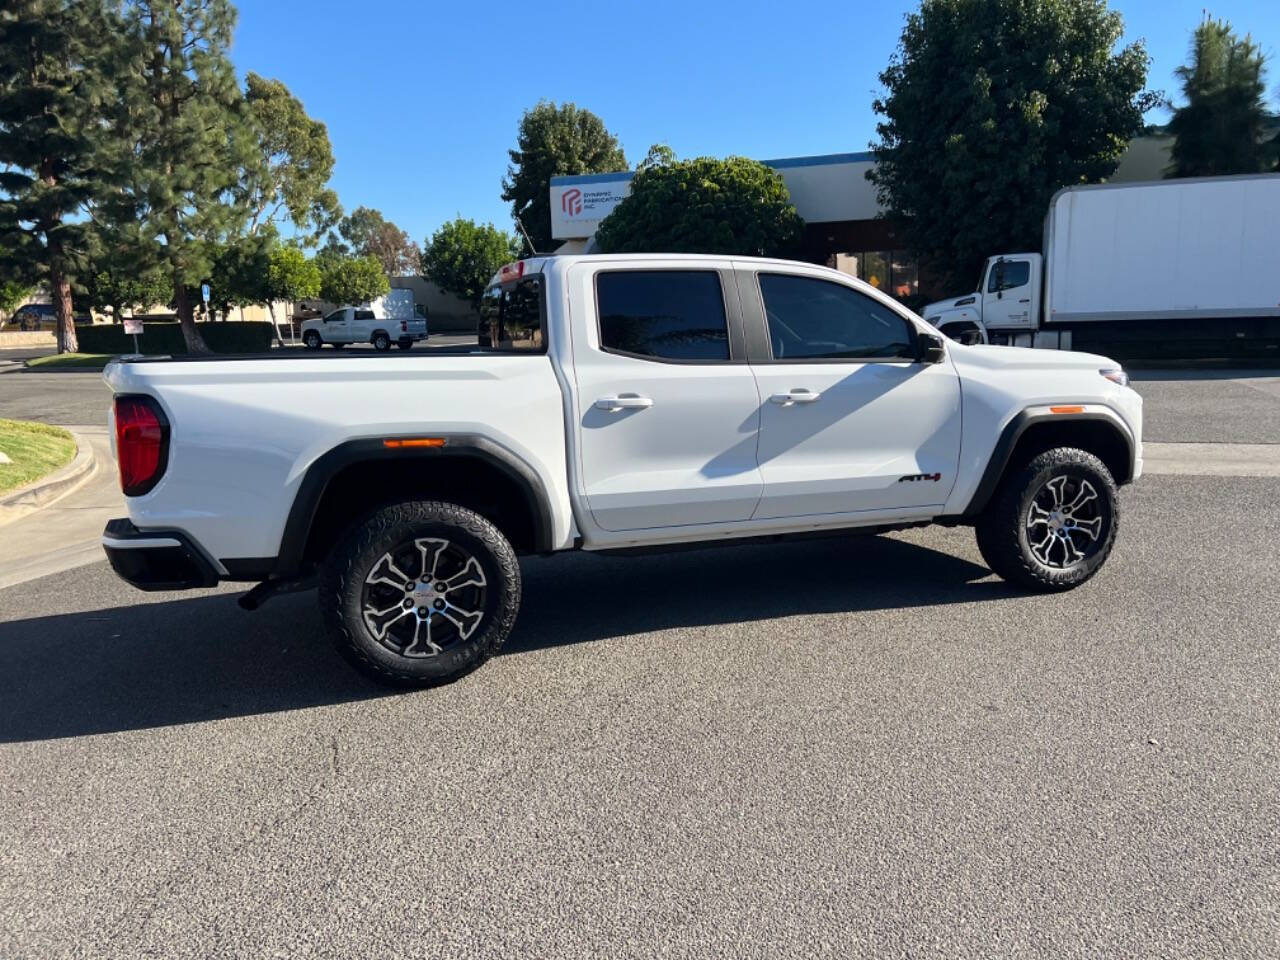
[[270, 588]]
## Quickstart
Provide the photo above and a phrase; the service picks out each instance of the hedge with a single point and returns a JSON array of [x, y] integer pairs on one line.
[[166, 337]]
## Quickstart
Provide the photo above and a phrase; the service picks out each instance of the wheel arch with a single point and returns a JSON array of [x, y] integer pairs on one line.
[[1031, 432], [469, 470]]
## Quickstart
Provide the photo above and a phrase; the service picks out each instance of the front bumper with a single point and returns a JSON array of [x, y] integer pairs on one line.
[[156, 559]]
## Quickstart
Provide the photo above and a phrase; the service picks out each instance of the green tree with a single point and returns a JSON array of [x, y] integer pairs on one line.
[[112, 287], [351, 280], [990, 107], [52, 59], [462, 256], [238, 275], [13, 292], [290, 183], [291, 277], [1221, 127], [554, 140], [187, 143], [705, 205], [369, 234]]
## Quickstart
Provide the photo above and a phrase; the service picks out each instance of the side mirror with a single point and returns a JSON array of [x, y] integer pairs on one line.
[[931, 348]]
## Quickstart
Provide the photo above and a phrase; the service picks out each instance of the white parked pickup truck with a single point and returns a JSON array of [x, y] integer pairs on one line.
[[394, 318], [614, 403]]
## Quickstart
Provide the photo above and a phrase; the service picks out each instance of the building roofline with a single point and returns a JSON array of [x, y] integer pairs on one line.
[[779, 163], [822, 160]]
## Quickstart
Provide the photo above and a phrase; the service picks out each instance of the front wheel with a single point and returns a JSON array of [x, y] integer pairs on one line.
[[1051, 525], [311, 339], [421, 593]]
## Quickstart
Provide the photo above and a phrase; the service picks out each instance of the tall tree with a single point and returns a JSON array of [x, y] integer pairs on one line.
[[706, 205], [462, 257], [993, 105], [187, 142], [290, 183], [52, 54], [554, 140], [1221, 128], [369, 234]]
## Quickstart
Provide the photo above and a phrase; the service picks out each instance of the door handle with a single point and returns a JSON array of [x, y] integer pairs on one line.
[[798, 395], [1025, 300], [628, 401]]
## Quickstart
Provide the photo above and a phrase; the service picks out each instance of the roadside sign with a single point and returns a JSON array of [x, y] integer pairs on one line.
[[133, 326], [204, 292]]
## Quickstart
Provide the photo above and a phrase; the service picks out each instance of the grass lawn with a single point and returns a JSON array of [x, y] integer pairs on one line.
[[67, 361], [35, 449]]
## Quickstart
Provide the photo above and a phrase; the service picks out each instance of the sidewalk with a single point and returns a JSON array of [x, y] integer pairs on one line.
[[65, 534]]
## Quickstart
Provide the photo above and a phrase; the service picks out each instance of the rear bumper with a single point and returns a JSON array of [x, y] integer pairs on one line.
[[156, 559]]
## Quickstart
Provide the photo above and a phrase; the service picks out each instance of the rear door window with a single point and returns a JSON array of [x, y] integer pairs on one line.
[[674, 315]]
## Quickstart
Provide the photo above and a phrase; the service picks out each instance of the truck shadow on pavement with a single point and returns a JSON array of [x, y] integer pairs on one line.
[[202, 658]]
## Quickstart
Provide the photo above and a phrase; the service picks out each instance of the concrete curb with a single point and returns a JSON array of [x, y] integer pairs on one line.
[[44, 491]]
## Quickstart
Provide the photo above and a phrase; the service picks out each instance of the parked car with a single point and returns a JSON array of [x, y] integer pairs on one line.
[[34, 316], [620, 403], [1184, 268], [394, 318]]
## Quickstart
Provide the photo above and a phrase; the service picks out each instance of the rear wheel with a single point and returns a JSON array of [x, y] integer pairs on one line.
[[405, 344], [312, 340], [381, 342], [421, 593], [1051, 525]]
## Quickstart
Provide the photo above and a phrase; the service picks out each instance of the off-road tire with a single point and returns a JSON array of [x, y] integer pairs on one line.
[[312, 340], [381, 342], [1002, 530], [342, 591]]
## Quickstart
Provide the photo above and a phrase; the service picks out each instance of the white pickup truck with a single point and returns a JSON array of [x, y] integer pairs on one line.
[[394, 318], [614, 403]]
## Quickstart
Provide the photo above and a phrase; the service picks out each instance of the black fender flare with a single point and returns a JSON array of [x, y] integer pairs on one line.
[[1012, 433], [293, 543]]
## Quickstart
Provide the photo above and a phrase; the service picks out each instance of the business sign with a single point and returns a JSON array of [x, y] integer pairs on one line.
[[579, 203], [132, 325]]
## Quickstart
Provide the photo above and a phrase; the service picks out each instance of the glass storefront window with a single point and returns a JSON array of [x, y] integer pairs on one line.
[[905, 274], [890, 271]]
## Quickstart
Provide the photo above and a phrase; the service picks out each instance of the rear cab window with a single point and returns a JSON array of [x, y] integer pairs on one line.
[[663, 315], [513, 317]]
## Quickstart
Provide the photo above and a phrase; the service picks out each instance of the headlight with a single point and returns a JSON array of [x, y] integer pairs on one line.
[[1116, 375]]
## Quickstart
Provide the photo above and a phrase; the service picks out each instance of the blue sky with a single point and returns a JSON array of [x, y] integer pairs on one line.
[[422, 99]]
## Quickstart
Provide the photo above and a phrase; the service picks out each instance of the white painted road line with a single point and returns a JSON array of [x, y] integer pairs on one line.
[[1212, 459]]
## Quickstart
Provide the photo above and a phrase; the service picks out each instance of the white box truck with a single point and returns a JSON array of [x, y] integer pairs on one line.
[[1170, 268]]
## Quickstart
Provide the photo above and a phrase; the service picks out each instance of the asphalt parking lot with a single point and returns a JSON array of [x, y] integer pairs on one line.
[[862, 747]]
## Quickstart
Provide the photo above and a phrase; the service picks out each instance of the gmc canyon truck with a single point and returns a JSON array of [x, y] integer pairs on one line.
[[613, 403]]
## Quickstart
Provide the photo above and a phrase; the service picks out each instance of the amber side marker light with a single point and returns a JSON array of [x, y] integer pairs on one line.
[[1074, 409], [414, 442]]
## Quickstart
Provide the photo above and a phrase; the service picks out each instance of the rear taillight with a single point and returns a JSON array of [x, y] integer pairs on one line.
[[404, 326], [142, 443]]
